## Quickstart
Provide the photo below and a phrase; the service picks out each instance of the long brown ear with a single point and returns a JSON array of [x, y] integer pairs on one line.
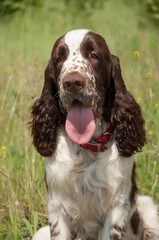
[[125, 115], [45, 112]]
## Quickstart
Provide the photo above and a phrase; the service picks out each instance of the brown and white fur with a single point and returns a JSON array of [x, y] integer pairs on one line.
[[91, 195]]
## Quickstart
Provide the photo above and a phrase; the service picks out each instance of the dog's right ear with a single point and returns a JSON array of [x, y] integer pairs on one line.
[[45, 116]]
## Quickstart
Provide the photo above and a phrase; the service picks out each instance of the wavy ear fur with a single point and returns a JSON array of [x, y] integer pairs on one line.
[[45, 116], [125, 114]]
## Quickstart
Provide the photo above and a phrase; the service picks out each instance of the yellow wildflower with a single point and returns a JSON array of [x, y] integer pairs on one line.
[[136, 53], [4, 148], [138, 100], [149, 74], [150, 132], [156, 105]]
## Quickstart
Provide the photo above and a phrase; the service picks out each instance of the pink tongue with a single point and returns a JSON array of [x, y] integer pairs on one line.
[[80, 124]]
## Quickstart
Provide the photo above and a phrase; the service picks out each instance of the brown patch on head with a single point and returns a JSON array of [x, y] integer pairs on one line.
[[94, 48], [59, 55]]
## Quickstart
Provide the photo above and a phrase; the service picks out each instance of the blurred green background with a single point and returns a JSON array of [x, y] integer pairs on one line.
[[28, 30]]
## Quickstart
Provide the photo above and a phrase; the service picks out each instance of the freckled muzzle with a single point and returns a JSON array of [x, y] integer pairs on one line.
[[77, 82], [76, 86]]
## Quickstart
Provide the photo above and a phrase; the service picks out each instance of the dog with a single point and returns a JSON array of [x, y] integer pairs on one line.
[[88, 127]]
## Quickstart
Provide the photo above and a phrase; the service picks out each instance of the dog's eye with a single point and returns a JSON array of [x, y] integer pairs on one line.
[[57, 60], [94, 55]]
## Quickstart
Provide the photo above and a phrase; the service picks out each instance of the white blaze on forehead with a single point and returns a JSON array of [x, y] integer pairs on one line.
[[75, 61], [74, 38]]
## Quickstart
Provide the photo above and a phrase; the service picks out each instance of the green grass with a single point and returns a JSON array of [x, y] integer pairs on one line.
[[25, 45]]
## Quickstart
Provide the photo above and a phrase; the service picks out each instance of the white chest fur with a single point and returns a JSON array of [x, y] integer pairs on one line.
[[84, 184]]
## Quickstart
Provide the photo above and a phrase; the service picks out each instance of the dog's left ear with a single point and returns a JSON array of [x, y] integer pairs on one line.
[[125, 114]]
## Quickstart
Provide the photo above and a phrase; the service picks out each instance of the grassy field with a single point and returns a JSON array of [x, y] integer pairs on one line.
[[25, 44]]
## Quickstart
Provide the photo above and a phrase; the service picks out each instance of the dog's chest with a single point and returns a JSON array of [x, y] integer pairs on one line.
[[83, 182]]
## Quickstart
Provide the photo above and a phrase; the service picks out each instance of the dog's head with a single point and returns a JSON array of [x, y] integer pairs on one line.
[[82, 76], [81, 66]]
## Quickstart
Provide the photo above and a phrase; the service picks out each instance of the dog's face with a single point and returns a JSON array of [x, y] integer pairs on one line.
[[81, 68], [84, 81]]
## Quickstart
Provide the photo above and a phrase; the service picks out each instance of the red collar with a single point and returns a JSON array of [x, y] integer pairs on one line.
[[99, 144]]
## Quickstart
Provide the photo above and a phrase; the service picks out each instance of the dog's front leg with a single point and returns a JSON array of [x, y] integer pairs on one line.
[[59, 228], [116, 221]]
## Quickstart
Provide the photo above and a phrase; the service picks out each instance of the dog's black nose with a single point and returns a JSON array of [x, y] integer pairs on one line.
[[73, 82]]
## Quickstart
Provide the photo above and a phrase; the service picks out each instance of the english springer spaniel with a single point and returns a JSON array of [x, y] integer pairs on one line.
[[88, 127]]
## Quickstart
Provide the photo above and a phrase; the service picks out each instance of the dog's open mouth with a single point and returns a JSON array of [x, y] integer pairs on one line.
[[80, 124]]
